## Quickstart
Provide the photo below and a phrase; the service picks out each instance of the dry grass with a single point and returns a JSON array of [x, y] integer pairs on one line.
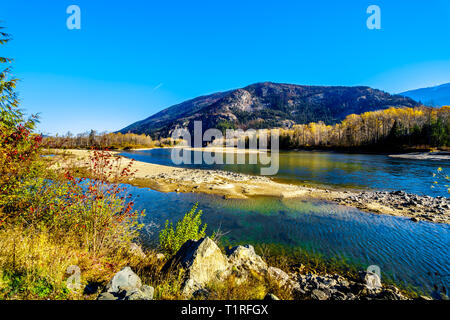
[[255, 287], [33, 265]]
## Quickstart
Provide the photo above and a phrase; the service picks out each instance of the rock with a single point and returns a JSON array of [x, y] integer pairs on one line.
[[284, 279], [370, 279], [389, 294], [319, 295], [279, 275], [145, 293], [415, 219], [203, 262], [244, 258], [137, 250], [126, 285], [271, 297], [160, 256], [338, 296], [107, 296], [202, 294], [125, 279]]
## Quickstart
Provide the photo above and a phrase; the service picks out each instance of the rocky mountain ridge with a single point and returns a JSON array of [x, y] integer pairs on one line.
[[268, 105]]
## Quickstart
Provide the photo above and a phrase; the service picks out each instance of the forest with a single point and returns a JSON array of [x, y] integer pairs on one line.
[[111, 141], [390, 128]]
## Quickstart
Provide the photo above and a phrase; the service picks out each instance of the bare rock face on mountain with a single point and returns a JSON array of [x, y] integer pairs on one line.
[[268, 105]]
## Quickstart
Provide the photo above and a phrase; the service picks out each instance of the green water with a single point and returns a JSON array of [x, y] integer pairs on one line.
[[413, 254]]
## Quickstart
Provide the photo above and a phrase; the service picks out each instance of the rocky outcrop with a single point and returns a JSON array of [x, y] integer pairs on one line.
[[126, 285]]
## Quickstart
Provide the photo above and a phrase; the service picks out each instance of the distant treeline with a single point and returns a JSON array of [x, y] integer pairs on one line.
[[393, 128], [389, 128], [110, 141]]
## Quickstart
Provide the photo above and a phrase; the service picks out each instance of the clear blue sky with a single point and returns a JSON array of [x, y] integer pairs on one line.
[[133, 58]]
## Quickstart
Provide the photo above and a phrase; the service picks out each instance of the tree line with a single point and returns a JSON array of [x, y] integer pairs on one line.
[[110, 141], [388, 129], [393, 127]]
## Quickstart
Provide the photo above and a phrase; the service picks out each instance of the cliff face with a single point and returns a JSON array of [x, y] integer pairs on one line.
[[267, 105]]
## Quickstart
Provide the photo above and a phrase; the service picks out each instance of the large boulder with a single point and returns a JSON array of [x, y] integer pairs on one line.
[[202, 261], [245, 258], [126, 285], [125, 279]]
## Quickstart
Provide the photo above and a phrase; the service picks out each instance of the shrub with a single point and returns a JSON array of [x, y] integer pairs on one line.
[[96, 212], [188, 228], [19, 147]]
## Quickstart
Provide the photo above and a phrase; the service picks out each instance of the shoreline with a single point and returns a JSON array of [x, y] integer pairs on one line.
[[436, 156], [242, 186]]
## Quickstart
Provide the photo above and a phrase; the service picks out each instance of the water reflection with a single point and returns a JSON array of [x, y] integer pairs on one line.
[[336, 169]]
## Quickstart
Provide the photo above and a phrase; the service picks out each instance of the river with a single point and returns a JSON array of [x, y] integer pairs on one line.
[[360, 171], [414, 254]]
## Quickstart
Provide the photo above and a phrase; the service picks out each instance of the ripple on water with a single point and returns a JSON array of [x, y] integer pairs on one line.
[[408, 252]]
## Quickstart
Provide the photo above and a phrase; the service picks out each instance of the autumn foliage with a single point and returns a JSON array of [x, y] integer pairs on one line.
[[111, 141], [393, 127], [51, 219]]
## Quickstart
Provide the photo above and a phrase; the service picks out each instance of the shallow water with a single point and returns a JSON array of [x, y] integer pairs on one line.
[[411, 253], [361, 171]]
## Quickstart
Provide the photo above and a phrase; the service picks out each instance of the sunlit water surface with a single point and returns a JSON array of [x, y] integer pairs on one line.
[[414, 254], [361, 171]]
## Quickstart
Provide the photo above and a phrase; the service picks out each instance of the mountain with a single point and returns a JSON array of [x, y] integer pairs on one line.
[[433, 96], [266, 105]]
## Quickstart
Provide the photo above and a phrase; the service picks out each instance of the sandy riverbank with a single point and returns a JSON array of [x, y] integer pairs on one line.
[[242, 186]]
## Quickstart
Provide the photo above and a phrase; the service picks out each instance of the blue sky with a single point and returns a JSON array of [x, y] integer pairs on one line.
[[133, 58]]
